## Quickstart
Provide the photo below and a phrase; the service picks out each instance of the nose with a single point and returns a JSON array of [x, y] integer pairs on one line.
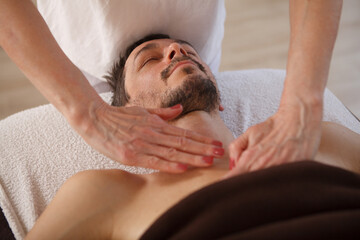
[[175, 50]]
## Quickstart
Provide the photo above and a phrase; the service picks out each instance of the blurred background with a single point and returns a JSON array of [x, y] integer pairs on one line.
[[256, 36]]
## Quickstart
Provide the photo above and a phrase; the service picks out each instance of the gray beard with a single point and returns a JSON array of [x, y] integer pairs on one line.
[[197, 93]]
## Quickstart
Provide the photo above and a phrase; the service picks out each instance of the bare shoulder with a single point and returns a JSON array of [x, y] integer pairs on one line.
[[339, 147], [337, 132], [337, 127], [85, 204], [101, 180]]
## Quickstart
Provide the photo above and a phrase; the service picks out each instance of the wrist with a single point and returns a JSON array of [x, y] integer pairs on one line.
[[77, 98], [311, 100], [308, 105], [82, 111], [309, 91]]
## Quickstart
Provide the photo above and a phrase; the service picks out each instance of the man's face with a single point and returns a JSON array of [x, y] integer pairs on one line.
[[165, 72]]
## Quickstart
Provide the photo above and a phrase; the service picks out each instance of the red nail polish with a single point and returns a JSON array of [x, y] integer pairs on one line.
[[217, 143], [177, 106], [218, 151], [208, 160], [231, 163], [182, 166]]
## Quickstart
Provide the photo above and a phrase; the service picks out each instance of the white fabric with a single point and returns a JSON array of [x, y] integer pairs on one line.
[[251, 96], [39, 150], [93, 33]]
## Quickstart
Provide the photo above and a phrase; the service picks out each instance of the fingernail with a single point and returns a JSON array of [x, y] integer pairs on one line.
[[182, 166], [177, 106], [208, 160], [218, 151], [217, 143], [231, 163]]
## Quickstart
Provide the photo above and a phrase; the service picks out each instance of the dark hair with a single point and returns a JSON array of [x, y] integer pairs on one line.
[[116, 77]]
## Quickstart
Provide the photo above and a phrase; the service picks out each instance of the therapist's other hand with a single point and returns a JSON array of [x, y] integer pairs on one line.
[[292, 134], [140, 137]]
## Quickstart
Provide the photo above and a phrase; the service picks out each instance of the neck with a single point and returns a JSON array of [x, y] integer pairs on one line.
[[206, 124]]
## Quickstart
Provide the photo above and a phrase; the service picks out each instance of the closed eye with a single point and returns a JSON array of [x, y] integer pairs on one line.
[[148, 60]]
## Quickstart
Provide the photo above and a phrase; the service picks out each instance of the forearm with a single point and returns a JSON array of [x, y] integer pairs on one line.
[[293, 133], [314, 26], [27, 40]]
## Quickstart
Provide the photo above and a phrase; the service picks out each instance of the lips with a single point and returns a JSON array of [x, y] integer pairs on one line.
[[179, 64]]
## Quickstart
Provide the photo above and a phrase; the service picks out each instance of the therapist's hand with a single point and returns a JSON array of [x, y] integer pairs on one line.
[[140, 137], [292, 134]]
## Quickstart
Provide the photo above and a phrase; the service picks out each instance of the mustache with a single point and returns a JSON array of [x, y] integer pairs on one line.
[[165, 74]]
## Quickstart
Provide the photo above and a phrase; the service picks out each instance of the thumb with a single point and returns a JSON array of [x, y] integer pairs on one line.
[[238, 146], [167, 113]]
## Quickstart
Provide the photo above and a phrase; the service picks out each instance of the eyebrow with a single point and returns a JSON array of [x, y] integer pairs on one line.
[[149, 46]]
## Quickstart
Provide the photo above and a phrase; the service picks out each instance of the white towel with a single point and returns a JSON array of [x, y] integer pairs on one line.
[[251, 96], [39, 150], [93, 33]]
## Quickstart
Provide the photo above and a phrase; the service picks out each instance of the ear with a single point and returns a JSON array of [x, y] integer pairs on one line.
[[221, 107]]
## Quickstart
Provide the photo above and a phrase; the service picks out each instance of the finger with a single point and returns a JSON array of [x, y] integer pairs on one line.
[[167, 113], [265, 160], [231, 163], [246, 159], [244, 164], [172, 154], [283, 156], [237, 147], [239, 168], [232, 173], [153, 162], [221, 107], [185, 145]]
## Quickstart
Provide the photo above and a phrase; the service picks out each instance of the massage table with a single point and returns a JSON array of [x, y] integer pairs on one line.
[[39, 150]]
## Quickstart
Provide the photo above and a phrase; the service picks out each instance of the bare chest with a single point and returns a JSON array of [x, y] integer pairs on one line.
[[151, 200]]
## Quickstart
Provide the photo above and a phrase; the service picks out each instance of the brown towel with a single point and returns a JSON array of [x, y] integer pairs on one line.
[[303, 200], [5, 231]]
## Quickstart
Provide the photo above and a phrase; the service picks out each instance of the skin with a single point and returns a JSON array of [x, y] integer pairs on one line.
[[294, 131], [113, 204], [143, 68], [112, 131]]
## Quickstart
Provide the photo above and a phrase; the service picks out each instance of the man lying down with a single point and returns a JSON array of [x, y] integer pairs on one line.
[[113, 204]]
